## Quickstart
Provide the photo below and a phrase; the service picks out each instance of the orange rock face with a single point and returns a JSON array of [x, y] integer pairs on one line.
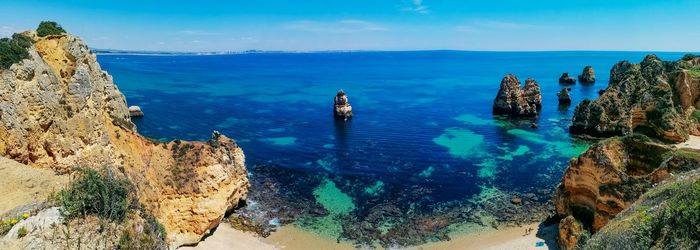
[[59, 109]]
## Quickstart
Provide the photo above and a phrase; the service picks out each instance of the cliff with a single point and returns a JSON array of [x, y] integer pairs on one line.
[[515, 101], [610, 176], [59, 109], [656, 98]]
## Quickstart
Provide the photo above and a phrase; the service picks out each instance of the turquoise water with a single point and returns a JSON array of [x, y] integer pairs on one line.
[[422, 145]]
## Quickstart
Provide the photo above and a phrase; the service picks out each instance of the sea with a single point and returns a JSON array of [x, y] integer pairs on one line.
[[422, 159]]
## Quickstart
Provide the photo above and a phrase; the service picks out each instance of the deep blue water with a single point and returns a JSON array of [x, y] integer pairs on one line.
[[422, 119]]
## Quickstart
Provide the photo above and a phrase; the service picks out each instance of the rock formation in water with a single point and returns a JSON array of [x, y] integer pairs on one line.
[[656, 98], [566, 79], [610, 176], [564, 97], [59, 109], [341, 106], [587, 76], [135, 111], [516, 101]]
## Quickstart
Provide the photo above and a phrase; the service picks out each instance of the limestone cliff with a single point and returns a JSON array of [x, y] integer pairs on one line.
[[611, 175], [656, 98], [59, 109]]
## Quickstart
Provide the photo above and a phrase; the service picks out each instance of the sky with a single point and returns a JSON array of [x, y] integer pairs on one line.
[[316, 25]]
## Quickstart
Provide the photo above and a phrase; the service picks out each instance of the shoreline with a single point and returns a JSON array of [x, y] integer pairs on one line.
[[291, 237]]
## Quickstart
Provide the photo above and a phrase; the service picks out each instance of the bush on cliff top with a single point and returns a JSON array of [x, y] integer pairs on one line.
[[13, 50], [98, 194], [47, 28]]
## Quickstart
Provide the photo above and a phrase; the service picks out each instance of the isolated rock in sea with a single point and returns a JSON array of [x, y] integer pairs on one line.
[[566, 79], [516, 101], [656, 98], [59, 109], [613, 173], [341, 106], [135, 111], [564, 97], [587, 76]]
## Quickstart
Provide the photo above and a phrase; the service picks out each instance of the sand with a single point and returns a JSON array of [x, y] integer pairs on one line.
[[22, 184], [693, 142], [292, 238]]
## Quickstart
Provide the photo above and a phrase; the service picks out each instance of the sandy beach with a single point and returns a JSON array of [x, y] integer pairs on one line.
[[293, 238], [692, 142]]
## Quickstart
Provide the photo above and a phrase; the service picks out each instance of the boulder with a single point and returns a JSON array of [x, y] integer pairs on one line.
[[516, 101], [655, 97], [564, 97], [59, 109], [135, 111], [570, 232], [341, 106], [587, 76], [566, 79]]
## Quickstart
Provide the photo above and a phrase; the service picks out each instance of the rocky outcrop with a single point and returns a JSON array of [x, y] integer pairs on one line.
[[570, 232], [566, 79], [135, 111], [612, 174], [516, 101], [655, 97], [59, 109], [564, 97], [587, 76], [341, 106]]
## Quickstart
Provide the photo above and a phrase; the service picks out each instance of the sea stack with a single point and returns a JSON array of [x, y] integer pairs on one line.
[[564, 97], [516, 101], [566, 79], [587, 76], [341, 107], [135, 111]]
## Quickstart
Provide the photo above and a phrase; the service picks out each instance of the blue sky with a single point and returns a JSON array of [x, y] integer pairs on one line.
[[202, 25]]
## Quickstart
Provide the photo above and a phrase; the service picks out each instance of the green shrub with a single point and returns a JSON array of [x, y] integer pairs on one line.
[[688, 57], [96, 193], [13, 50], [47, 28], [22, 232]]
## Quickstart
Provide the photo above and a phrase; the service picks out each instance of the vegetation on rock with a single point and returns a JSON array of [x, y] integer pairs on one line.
[[47, 28], [13, 50], [95, 193]]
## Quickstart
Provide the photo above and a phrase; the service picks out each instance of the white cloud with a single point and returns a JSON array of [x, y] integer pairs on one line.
[[417, 7], [340, 26]]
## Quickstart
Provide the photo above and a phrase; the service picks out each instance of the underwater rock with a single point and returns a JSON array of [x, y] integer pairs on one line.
[[70, 113], [587, 76], [656, 98], [341, 106], [516, 200], [612, 174], [564, 97], [135, 111], [534, 125], [516, 101], [566, 79]]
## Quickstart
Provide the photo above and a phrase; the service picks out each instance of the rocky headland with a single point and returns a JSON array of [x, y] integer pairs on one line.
[[656, 98], [516, 101], [616, 194], [60, 110]]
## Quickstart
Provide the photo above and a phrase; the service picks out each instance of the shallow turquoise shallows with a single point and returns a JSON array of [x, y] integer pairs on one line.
[[422, 120]]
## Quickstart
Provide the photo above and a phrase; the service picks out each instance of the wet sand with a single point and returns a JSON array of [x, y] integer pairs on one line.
[[293, 238]]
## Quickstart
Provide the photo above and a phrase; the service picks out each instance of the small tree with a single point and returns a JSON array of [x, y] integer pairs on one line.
[[47, 28], [13, 50]]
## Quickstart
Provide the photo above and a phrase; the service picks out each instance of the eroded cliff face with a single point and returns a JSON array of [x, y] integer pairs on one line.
[[59, 109], [516, 101], [611, 175], [655, 97]]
